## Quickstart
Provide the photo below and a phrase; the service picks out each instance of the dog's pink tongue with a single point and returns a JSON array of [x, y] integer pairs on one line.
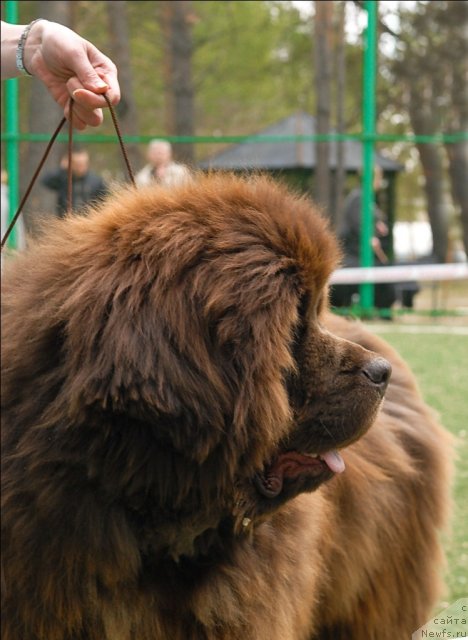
[[334, 461]]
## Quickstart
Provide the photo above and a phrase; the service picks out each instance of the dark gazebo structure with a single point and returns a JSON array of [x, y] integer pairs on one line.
[[294, 161]]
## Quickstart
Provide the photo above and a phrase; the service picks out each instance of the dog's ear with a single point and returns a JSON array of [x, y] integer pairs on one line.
[[249, 308]]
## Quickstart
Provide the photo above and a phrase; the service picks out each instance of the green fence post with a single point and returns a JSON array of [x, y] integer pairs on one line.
[[368, 121], [11, 123]]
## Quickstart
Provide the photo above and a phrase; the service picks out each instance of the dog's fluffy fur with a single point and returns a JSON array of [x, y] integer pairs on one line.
[[168, 361]]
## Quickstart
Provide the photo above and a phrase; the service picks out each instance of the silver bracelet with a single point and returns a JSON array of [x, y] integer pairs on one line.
[[20, 48]]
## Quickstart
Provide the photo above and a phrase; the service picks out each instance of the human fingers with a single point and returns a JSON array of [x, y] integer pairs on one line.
[[87, 104], [83, 117], [87, 99], [95, 72]]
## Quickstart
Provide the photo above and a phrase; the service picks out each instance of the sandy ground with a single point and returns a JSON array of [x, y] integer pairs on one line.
[[441, 303]]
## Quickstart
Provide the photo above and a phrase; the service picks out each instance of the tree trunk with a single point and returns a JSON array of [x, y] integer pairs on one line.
[[165, 16], [323, 25], [178, 18], [44, 117], [458, 171], [458, 152], [339, 182], [432, 165], [423, 121], [121, 55]]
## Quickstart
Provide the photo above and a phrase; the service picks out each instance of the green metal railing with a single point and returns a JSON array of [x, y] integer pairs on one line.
[[368, 137], [12, 128], [443, 138], [368, 129]]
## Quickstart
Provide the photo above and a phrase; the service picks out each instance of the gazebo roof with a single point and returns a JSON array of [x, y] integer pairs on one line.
[[290, 154]]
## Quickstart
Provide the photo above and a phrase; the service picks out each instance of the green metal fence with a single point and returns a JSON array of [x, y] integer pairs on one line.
[[12, 129], [368, 136]]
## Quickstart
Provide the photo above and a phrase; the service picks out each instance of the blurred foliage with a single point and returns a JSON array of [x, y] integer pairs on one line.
[[253, 64], [425, 69]]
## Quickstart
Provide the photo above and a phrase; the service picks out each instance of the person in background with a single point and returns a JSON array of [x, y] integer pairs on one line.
[[67, 64], [161, 168], [350, 230], [87, 187], [349, 234]]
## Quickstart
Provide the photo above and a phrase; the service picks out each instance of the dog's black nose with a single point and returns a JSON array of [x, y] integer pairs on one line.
[[378, 370]]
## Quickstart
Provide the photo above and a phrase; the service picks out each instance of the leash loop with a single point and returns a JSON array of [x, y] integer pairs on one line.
[[69, 170], [31, 184]]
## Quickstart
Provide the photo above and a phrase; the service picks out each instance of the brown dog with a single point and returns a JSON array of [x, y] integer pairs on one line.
[[176, 399]]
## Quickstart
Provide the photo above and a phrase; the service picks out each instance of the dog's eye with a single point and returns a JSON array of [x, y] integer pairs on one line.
[[303, 307], [303, 310], [321, 302]]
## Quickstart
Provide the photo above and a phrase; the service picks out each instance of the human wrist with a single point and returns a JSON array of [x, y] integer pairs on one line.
[[30, 43], [10, 36]]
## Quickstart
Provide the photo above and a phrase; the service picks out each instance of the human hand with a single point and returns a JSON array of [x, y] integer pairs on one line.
[[379, 252], [70, 66], [381, 228]]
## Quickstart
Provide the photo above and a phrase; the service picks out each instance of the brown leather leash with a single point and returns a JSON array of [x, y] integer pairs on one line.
[[69, 175]]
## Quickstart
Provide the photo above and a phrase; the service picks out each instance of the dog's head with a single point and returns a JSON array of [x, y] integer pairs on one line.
[[190, 355]]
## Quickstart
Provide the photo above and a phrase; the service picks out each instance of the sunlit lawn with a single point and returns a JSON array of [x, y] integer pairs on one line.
[[440, 362]]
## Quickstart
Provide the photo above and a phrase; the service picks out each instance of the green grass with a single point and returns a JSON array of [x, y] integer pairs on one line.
[[440, 363]]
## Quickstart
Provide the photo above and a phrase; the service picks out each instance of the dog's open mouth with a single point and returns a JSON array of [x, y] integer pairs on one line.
[[292, 465]]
